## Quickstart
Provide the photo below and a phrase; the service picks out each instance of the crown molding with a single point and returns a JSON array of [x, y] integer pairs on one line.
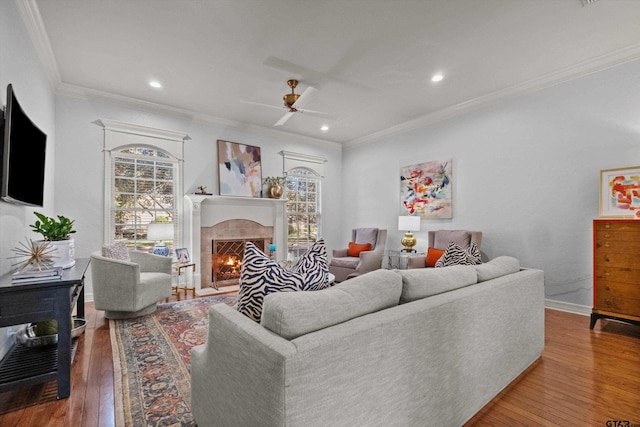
[[591, 66], [80, 92], [30, 14]]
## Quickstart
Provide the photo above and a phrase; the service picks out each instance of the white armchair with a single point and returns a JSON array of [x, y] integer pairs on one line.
[[344, 267], [130, 288]]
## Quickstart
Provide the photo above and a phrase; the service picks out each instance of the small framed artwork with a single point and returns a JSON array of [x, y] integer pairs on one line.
[[239, 169], [620, 193], [183, 255]]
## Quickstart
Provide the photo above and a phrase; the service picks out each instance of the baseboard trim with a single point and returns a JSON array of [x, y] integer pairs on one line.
[[583, 310]]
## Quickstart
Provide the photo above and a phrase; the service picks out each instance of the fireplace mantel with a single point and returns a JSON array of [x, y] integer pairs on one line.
[[207, 211]]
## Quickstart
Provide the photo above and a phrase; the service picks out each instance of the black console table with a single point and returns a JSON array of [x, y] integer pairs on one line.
[[36, 302]]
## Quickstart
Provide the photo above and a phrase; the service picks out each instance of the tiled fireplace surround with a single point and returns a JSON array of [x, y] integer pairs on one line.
[[225, 217]]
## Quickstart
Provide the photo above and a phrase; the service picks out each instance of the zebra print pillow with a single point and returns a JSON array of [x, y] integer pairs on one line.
[[314, 267], [455, 255], [260, 276]]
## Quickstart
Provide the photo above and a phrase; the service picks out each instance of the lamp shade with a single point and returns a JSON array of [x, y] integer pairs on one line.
[[160, 231], [409, 223]]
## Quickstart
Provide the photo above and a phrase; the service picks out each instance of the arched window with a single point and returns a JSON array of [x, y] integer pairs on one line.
[[304, 216], [304, 195], [143, 183]]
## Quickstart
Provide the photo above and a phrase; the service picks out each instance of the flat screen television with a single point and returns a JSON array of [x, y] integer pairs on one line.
[[23, 156]]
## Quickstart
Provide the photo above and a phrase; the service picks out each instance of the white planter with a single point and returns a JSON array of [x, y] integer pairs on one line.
[[64, 253]]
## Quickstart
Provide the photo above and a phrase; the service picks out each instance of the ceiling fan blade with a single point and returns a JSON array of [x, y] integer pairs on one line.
[[304, 98], [318, 113], [284, 118], [262, 105]]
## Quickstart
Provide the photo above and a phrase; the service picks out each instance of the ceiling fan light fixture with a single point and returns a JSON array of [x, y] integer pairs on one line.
[[290, 99], [437, 77]]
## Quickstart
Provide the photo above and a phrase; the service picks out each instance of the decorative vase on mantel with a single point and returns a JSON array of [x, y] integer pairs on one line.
[[275, 191], [275, 186]]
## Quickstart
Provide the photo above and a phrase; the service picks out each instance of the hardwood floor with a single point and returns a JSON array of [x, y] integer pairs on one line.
[[584, 378]]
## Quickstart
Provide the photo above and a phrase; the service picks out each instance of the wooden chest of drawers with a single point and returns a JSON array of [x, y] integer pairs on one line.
[[616, 270]]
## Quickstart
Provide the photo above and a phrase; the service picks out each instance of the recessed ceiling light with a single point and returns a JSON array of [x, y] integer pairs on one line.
[[324, 128], [437, 77], [156, 84]]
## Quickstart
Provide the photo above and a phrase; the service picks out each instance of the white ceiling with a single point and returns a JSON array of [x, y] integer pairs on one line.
[[370, 60]]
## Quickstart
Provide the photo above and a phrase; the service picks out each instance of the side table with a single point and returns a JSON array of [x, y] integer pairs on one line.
[[399, 260], [188, 286]]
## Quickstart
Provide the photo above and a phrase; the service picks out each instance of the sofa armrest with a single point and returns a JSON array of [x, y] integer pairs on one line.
[[340, 253], [416, 262], [151, 262], [240, 362], [369, 261]]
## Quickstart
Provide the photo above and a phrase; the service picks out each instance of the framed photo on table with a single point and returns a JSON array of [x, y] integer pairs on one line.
[[183, 255], [620, 193]]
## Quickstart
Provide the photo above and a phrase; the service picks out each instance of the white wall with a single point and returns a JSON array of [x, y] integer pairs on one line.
[[80, 170], [525, 173], [20, 66]]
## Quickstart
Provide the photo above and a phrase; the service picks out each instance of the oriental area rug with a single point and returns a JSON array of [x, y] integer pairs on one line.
[[152, 362]]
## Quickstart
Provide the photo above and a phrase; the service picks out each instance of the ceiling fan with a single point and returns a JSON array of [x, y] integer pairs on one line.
[[293, 102]]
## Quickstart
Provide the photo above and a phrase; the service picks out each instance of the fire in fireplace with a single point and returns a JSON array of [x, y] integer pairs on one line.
[[226, 260]]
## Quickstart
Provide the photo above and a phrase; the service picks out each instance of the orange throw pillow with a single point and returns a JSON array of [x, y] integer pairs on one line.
[[355, 249], [433, 255]]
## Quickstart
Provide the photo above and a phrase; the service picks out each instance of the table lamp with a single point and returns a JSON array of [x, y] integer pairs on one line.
[[160, 232], [408, 224]]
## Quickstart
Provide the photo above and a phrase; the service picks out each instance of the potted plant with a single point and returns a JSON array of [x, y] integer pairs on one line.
[[57, 233], [275, 186]]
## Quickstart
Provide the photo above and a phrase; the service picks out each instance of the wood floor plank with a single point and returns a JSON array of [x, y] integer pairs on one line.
[[584, 377]]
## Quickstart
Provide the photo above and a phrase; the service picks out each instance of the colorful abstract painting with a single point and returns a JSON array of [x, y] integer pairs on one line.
[[239, 169], [425, 190], [620, 192]]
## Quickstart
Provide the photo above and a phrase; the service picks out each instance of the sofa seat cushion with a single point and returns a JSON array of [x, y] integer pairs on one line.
[[497, 267], [424, 282], [292, 314], [345, 262]]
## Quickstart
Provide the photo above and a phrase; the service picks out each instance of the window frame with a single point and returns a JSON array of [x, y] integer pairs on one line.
[[315, 166], [121, 136]]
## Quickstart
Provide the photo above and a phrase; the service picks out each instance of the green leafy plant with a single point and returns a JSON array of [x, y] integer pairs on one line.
[[52, 229]]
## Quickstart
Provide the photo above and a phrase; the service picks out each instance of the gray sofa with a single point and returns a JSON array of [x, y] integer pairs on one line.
[[388, 348]]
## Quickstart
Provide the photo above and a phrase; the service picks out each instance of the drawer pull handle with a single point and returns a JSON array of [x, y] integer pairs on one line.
[[607, 225]]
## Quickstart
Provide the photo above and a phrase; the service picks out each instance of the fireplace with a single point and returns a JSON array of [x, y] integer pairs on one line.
[[225, 243], [218, 224]]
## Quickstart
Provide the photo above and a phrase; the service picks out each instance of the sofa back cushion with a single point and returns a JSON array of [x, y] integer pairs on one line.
[[292, 314], [424, 282], [366, 235], [459, 237], [497, 267]]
